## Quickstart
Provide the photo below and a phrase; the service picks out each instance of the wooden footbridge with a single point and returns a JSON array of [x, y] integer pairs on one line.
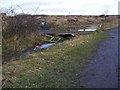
[[55, 37]]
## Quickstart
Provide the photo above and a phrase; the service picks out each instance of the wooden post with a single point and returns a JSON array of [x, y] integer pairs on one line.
[[0, 50], [1, 24]]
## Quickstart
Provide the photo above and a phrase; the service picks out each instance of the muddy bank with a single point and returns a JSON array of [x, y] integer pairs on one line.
[[102, 72]]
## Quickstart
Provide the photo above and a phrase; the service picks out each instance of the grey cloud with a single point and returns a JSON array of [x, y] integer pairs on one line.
[[40, 3]]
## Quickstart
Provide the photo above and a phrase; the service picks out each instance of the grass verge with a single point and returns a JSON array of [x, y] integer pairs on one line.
[[55, 67]]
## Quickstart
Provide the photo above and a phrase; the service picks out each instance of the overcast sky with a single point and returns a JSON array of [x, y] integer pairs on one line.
[[63, 7]]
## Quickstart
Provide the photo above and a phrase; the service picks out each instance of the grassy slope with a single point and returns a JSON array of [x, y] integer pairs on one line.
[[55, 67]]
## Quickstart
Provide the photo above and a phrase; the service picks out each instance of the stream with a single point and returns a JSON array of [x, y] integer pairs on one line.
[[30, 51], [25, 53]]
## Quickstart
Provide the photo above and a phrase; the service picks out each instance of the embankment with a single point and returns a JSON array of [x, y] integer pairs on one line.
[[55, 67]]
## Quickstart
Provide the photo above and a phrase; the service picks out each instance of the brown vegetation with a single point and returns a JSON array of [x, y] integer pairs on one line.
[[20, 31]]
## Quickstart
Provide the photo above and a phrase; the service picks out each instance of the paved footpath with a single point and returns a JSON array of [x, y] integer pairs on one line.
[[102, 72]]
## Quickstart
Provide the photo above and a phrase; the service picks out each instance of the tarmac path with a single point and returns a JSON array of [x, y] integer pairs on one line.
[[102, 72]]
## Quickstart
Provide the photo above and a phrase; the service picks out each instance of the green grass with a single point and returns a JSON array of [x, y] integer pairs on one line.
[[111, 25], [55, 67]]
